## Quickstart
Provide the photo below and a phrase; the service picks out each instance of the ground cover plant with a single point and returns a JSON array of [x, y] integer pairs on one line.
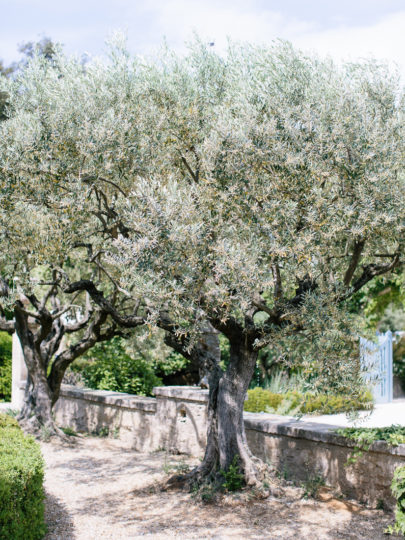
[[21, 479], [392, 435], [251, 194], [365, 437], [398, 490]]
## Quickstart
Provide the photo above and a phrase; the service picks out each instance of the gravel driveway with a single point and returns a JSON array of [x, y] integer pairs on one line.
[[98, 489]]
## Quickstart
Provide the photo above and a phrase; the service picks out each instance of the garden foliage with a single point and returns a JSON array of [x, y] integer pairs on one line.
[[398, 490], [21, 479], [365, 437], [109, 367], [294, 402], [5, 366], [392, 435]]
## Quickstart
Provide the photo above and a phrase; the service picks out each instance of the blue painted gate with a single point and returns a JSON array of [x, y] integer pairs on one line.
[[376, 363]]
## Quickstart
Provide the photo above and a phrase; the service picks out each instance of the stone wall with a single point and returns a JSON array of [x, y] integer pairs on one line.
[[176, 420]]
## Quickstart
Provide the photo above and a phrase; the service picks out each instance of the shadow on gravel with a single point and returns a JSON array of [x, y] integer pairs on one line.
[[149, 511], [124, 494], [58, 520]]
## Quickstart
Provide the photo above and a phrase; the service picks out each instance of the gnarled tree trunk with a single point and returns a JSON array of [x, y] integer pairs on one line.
[[46, 365], [226, 438], [231, 398], [36, 412]]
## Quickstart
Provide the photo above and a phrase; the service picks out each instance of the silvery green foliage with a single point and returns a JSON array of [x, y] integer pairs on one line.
[[236, 177]]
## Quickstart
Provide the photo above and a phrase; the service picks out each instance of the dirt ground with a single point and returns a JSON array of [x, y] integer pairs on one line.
[[98, 489]]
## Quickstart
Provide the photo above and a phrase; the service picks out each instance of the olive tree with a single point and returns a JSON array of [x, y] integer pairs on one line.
[[275, 191], [54, 328], [254, 192]]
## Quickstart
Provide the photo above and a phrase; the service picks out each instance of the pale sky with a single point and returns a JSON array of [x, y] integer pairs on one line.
[[341, 28]]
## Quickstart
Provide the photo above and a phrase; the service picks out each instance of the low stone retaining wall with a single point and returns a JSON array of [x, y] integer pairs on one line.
[[176, 420]]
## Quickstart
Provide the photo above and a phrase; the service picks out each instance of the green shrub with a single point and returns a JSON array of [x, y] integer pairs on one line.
[[233, 478], [21, 479], [398, 490], [111, 368], [5, 366], [173, 363], [262, 400], [7, 421]]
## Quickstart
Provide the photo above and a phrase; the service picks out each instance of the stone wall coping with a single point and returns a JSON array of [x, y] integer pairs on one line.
[[115, 399], [182, 393], [290, 426]]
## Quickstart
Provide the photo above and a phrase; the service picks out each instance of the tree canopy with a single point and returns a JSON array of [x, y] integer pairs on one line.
[[257, 191]]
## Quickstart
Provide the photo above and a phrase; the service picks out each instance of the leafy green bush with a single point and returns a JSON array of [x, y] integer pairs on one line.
[[21, 479], [262, 400], [5, 366], [234, 479], [398, 490], [173, 363], [111, 368]]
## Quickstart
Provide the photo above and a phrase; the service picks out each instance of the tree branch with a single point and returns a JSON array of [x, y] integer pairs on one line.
[[190, 170], [371, 271], [127, 321], [354, 261], [88, 179]]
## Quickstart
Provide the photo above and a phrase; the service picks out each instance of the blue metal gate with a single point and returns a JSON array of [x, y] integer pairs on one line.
[[376, 362]]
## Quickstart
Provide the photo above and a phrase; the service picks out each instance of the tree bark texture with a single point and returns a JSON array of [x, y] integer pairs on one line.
[[226, 438], [46, 365], [36, 412]]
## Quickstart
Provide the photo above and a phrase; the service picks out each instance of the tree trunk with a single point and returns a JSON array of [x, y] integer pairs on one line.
[[36, 413], [232, 443], [226, 438]]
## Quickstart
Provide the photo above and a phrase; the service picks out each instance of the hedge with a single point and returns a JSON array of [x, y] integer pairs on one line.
[[21, 484], [5, 366], [261, 400]]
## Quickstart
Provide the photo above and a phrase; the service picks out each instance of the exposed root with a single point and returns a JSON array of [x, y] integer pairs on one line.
[[207, 481], [202, 474], [45, 432]]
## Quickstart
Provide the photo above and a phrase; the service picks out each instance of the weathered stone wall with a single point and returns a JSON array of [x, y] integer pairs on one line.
[[133, 417], [177, 418], [301, 450]]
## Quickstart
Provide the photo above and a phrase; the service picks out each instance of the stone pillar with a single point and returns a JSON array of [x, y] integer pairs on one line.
[[181, 418], [19, 374]]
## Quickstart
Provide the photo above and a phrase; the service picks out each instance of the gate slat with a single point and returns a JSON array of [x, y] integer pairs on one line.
[[376, 362]]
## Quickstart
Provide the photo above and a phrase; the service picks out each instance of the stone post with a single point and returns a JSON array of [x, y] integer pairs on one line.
[[181, 418], [19, 374]]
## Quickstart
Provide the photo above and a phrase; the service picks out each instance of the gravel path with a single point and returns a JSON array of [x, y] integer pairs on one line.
[[98, 489]]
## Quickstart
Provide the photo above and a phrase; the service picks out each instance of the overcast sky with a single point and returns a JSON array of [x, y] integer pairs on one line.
[[342, 28]]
